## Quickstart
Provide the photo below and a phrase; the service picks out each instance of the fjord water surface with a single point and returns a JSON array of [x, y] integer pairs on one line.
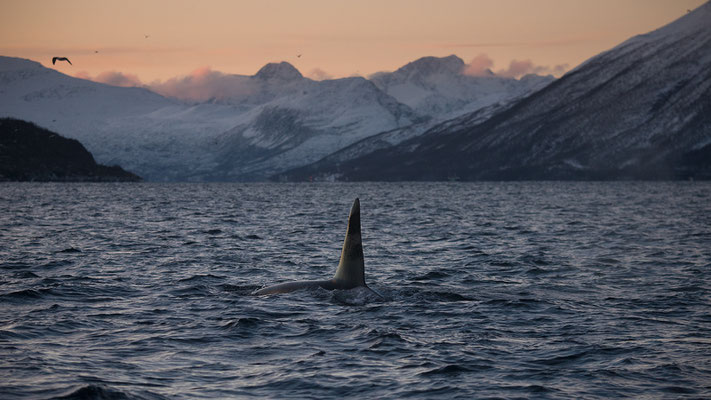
[[493, 290]]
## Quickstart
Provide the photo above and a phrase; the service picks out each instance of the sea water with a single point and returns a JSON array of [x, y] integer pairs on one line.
[[491, 290]]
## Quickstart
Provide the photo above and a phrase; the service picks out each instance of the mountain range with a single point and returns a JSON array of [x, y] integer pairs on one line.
[[261, 125], [641, 110]]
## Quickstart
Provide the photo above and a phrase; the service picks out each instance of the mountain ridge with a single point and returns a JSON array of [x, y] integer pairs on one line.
[[260, 125], [637, 111]]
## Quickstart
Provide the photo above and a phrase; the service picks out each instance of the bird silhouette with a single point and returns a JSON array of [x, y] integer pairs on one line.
[[55, 59]]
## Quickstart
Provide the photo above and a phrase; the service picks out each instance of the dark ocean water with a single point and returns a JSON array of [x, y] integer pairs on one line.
[[493, 290]]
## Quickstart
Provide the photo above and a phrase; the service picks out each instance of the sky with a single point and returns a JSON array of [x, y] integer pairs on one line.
[[157, 40]]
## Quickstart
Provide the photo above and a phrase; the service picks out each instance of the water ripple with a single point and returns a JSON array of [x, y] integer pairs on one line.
[[486, 290]]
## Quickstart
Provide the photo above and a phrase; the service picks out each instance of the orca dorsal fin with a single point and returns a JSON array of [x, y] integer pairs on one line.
[[351, 267]]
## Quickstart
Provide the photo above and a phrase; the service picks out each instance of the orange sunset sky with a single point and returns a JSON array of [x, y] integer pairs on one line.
[[157, 40]]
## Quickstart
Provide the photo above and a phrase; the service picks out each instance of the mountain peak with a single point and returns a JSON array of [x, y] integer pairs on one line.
[[450, 65], [280, 71]]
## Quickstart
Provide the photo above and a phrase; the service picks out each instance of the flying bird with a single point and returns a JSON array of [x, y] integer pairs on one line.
[[299, 56], [55, 59]]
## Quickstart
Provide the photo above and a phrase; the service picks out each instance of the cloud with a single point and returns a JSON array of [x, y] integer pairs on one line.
[[118, 79], [482, 65], [479, 66], [200, 85], [113, 78], [519, 68], [203, 84], [560, 69], [318, 74], [83, 75]]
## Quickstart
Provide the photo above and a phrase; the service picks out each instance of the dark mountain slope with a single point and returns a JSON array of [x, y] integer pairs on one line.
[[639, 111], [31, 153]]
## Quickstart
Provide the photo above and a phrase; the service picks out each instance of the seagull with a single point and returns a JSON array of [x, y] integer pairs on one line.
[[55, 59]]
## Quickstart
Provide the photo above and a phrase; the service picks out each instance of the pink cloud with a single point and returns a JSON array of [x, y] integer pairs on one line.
[[83, 75], [482, 65], [519, 68], [479, 66], [202, 84], [118, 79], [113, 78]]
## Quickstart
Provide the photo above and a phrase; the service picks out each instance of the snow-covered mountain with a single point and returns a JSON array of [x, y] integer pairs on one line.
[[338, 166], [639, 110], [440, 94], [437, 87], [152, 136], [294, 121], [275, 119], [260, 125]]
